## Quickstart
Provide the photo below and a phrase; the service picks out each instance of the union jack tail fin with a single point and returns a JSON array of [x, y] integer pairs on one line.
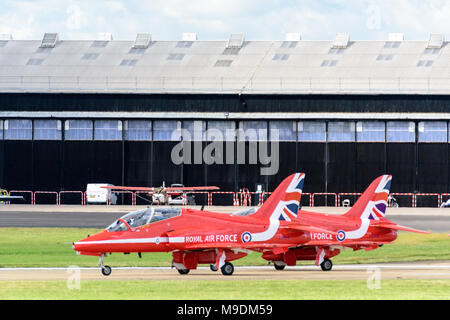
[[373, 202], [284, 202]]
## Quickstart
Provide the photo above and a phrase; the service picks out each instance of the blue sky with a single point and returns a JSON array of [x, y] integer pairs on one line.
[[217, 19]]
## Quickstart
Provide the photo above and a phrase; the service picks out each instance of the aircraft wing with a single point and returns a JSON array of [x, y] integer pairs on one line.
[[9, 198], [231, 246], [174, 189], [390, 225], [170, 189], [129, 188]]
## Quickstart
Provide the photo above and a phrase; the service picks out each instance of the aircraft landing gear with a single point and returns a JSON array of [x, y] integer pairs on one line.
[[227, 269], [106, 270], [326, 265], [279, 266], [213, 267], [183, 271]]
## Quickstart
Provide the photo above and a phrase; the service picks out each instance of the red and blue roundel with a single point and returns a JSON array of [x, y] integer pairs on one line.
[[246, 237], [340, 235]]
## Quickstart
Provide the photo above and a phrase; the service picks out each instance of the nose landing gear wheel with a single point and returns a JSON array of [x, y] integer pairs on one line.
[[106, 270], [326, 265], [227, 269]]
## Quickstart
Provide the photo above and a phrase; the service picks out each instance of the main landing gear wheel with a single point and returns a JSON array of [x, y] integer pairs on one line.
[[279, 266], [326, 265], [227, 269], [213, 267], [106, 270], [183, 271]]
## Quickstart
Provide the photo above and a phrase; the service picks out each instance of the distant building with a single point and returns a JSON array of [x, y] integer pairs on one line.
[[78, 112]]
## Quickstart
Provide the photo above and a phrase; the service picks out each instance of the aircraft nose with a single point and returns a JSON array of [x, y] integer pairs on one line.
[[88, 244]]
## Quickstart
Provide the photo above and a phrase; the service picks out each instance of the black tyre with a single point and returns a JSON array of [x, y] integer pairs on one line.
[[279, 266], [106, 270], [213, 267], [183, 271], [227, 269], [326, 265]]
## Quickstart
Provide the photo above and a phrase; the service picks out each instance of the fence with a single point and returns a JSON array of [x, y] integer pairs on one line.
[[47, 193], [326, 194], [310, 201], [428, 195], [122, 192], [348, 194], [195, 193], [233, 194], [227, 198], [401, 194], [81, 193], [26, 192]]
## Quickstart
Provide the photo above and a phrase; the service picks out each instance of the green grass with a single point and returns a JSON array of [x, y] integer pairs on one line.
[[52, 247], [227, 290]]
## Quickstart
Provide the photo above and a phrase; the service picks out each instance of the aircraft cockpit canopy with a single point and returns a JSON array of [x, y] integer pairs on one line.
[[143, 217], [246, 212]]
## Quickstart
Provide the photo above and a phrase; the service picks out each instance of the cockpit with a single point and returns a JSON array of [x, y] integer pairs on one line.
[[143, 217]]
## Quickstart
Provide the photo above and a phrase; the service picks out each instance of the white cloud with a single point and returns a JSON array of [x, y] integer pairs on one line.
[[216, 19]]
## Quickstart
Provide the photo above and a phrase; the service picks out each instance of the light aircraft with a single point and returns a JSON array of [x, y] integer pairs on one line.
[[5, 197], [166, 195], [277, 229]]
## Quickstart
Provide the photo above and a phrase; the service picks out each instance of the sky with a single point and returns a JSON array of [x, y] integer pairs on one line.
[[217, 19]]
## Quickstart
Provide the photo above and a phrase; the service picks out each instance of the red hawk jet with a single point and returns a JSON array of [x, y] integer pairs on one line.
[[278, 230]]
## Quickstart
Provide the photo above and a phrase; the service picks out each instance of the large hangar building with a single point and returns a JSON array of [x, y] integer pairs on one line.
[[77, 112]]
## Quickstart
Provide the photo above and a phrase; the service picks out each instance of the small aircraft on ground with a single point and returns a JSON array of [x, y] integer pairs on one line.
[[166, 195], [278, 230], [6, 197]]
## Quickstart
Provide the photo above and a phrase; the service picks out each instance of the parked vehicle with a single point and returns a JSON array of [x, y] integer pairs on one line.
[[95, 194]]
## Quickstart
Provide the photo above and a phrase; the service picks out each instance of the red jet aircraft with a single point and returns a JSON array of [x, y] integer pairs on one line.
[[278, 230]]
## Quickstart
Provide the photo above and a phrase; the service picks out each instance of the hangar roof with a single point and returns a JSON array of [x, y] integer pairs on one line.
[[239, 66]]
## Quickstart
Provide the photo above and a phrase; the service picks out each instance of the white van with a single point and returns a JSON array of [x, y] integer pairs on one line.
[[95, 194]]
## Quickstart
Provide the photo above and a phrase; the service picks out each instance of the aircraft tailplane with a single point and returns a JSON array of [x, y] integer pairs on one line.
[[284, 202], [373, 202]]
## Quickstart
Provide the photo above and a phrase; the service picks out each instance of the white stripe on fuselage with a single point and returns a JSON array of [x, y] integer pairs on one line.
[[358, 233], [135, 240]]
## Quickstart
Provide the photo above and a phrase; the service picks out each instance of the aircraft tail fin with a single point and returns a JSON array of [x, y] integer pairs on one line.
[[284, 202], [373, 202]]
